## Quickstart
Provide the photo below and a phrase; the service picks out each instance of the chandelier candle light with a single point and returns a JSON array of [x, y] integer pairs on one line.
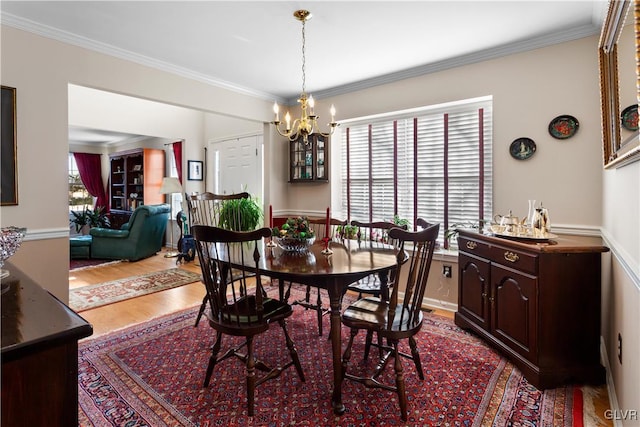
[[307, 124]]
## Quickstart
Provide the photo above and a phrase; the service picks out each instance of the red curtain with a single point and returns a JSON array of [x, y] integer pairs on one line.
[[90, 169], [177, 154]]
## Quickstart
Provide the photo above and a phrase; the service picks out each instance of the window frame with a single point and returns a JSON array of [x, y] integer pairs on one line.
[[408, 176]]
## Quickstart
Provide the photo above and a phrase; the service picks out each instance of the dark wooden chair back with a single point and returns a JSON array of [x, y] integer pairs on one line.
[[319, 226], [205, 209], [398, 318], [422, 223], [238, 303], [375, 234], [232, 297], [406, 311]]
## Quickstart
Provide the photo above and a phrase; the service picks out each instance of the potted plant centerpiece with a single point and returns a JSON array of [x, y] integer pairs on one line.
[[294, 235]]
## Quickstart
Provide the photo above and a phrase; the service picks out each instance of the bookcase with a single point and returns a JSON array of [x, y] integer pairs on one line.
[[135, 178], [309, 162]]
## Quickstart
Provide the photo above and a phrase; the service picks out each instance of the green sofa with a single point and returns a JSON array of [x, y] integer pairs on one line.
[[139, 238]]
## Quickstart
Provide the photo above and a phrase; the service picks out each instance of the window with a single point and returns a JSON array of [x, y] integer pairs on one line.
[[79, 197], [176, 198], [433, 163]]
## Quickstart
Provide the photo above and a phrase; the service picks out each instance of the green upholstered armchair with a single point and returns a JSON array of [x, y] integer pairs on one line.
[[139, 238]]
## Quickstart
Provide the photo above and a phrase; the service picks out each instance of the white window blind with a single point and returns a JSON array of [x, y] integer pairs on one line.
[[432, 163]]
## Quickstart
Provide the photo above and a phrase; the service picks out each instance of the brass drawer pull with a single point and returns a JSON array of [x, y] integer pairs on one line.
[[511, 257], [471, 245]]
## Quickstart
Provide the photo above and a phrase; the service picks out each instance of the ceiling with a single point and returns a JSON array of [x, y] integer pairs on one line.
[[255, 46]]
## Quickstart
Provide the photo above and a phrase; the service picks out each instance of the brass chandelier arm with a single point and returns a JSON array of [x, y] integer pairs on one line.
[[307, 124]]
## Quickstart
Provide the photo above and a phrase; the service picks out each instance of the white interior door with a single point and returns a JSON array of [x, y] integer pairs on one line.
[[238, 165]]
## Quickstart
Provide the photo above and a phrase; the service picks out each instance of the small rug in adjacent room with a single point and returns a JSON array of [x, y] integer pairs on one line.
[[152, 374], [81, 264], [92, 296]]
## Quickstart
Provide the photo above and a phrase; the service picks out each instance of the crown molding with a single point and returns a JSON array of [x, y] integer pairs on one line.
[[576, 33], [586, 30], [86, 43]]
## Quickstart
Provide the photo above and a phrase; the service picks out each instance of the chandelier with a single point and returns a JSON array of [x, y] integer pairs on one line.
[[307, 124]]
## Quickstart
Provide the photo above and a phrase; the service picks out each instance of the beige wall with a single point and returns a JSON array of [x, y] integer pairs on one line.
[[529, 90]]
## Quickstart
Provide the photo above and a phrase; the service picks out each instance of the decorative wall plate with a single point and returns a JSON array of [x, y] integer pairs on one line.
[[522, 148], [629, 118], [563, 127]]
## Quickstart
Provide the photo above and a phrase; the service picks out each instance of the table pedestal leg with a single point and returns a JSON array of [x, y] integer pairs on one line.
[[335, 297]]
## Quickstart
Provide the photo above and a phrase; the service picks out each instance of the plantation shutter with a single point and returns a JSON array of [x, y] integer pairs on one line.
[[434, 163]]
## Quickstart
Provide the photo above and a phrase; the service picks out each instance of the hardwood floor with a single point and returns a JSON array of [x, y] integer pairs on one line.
[[122, 314]]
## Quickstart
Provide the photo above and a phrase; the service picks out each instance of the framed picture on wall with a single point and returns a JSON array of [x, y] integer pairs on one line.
[[194, 172], [8, 156]]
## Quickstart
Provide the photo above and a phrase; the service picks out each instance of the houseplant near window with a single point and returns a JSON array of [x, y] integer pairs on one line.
[[247, 211], [87, 218]]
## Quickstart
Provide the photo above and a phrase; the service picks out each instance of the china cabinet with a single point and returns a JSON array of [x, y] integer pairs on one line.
[[536, 301], [309, 162], [135, 179]]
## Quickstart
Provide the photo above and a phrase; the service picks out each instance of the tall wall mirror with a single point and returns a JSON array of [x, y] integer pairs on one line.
[[619, 83]]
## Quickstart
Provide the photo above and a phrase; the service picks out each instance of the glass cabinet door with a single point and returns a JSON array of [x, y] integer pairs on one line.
[[308, 162]]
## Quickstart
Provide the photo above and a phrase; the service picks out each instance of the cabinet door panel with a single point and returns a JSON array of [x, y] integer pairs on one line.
[[514, 319], [474, 289]]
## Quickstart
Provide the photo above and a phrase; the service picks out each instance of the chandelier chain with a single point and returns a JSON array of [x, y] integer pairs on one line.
[[307, 123], [304, 42]]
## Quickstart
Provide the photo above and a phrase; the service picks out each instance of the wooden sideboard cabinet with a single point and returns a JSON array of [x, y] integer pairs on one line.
[[538, 303], [39, 355]]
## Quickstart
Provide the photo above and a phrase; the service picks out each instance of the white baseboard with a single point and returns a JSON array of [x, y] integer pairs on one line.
[[439, 304], [611, 389]]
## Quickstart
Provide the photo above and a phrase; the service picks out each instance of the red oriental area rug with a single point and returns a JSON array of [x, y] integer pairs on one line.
[[152, 375]]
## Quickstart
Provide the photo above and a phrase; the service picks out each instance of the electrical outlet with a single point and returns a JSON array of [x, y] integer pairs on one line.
[[620, 348], [446, 271]]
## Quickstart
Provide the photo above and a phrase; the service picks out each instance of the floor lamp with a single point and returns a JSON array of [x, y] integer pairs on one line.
[[170, 185]]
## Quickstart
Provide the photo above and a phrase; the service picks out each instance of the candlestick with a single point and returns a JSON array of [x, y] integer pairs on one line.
[[270, 216], [326, 229], [271, 243]]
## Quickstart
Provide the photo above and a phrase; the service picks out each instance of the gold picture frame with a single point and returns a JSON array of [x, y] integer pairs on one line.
[[617, 151], [8, 168]]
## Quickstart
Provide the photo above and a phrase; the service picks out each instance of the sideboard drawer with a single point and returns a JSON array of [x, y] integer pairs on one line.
[[514, 258], [474, 247]]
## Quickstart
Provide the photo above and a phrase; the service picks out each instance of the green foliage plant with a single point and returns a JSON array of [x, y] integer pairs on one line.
[[92, 218], [240, 214]]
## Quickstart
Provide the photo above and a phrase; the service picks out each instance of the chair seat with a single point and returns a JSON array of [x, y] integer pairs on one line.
[[372, 313], [244, 312], [369, 285]]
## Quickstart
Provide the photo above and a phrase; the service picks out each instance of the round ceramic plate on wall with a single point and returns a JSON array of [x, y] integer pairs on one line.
[[629, 118], [563, 127], [522, 148]]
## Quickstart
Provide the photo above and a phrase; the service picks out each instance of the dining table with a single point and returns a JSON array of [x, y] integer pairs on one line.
[[347, 262]]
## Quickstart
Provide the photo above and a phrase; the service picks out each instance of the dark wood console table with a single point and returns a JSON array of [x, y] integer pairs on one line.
[[537, 302], [39, 355]]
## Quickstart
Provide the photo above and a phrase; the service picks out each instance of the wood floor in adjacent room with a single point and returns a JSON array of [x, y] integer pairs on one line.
[[136, 310]]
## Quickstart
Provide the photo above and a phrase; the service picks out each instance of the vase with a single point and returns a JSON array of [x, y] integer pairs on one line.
[[294, 244]]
